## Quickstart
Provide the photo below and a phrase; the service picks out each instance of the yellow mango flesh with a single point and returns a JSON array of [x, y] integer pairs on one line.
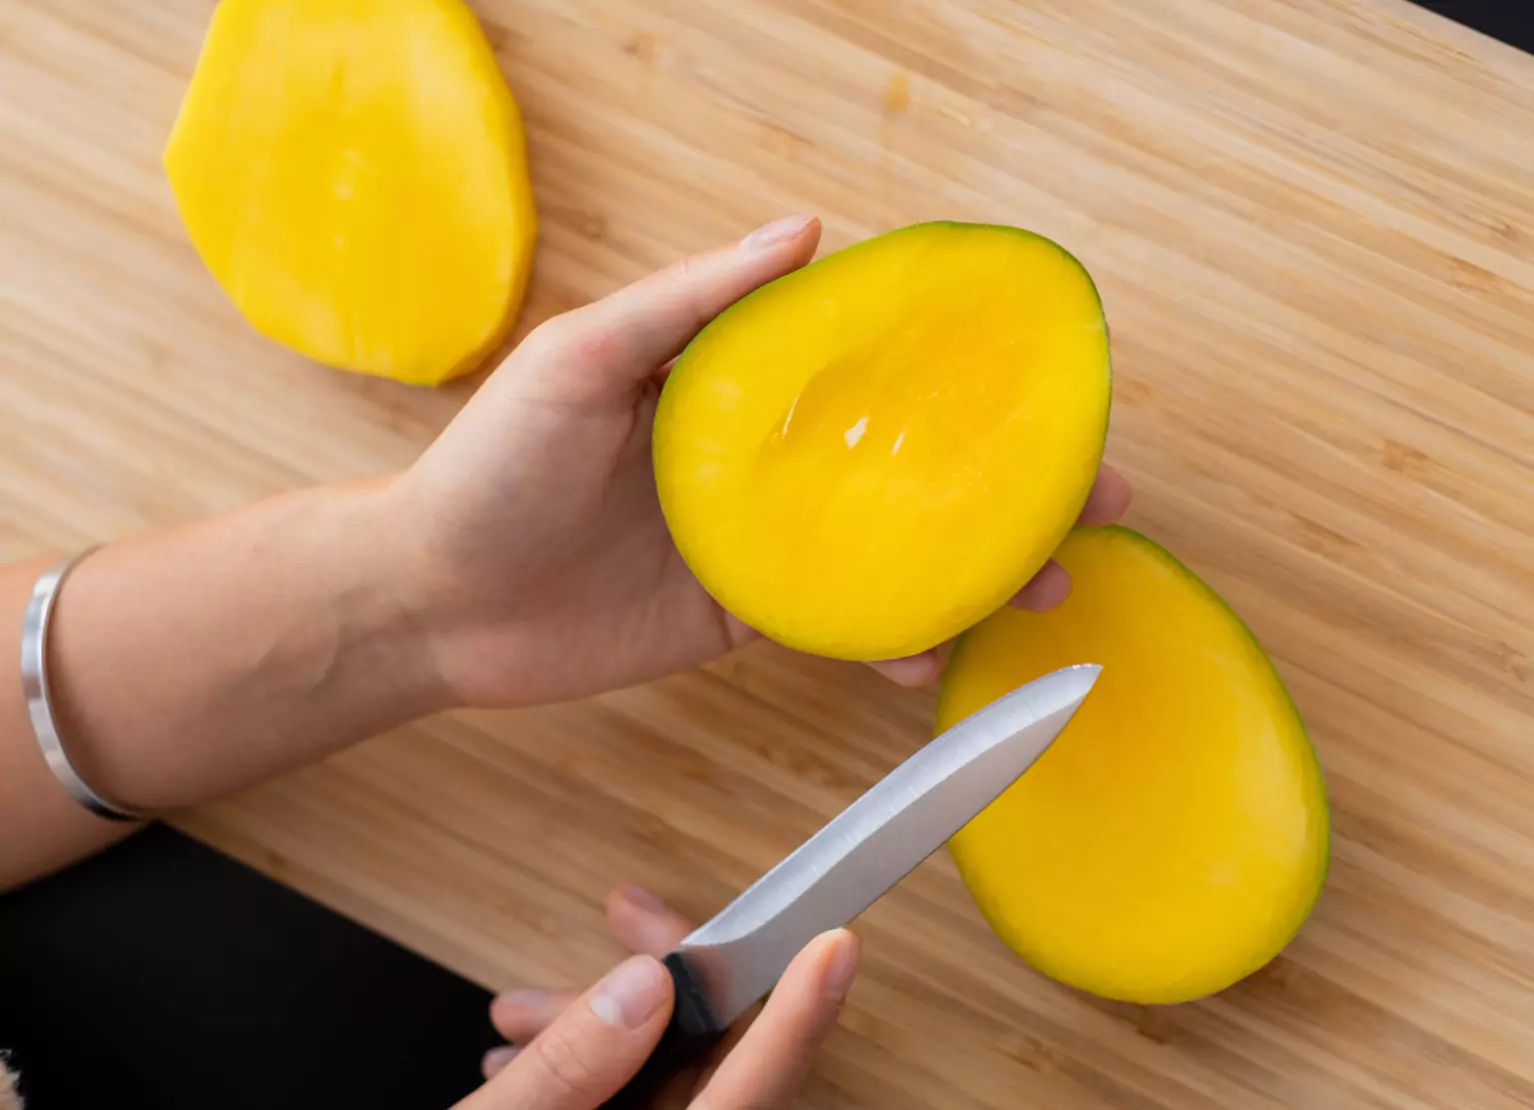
[[354, 174], [865, 457], [1175, 836]]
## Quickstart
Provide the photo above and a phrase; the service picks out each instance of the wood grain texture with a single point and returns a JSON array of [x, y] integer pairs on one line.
[[1313, 226]]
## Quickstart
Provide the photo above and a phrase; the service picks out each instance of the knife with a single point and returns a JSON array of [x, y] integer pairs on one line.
[[722, 968]]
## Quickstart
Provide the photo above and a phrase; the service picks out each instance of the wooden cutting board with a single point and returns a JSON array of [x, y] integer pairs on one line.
[[1313, 226]]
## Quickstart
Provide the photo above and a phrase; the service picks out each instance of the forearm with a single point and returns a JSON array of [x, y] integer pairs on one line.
[[190, 663]]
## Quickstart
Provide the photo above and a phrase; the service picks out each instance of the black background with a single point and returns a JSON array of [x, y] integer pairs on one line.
[[164, 975], [1512, 21]]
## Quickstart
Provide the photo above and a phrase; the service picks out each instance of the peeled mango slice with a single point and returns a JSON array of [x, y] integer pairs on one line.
[[1175, 835], [865, 457], [354, 174]]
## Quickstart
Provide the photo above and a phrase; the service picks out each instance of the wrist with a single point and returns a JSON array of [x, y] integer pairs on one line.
[[200, 660], [377, 606], [456, 590]]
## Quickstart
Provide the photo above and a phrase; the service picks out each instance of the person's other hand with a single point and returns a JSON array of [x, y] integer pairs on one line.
[[542, 563], [573, 1052]]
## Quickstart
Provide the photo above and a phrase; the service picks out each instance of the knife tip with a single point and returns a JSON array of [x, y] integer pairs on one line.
[[1086, 675]]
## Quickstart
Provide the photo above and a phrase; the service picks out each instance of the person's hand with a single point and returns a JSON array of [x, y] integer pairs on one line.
[[541, 558], [573, 1052]]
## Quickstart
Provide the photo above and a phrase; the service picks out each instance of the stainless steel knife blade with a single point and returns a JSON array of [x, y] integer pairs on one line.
[[839, 872]]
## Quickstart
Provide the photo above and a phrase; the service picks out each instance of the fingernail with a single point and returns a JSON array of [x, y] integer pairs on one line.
[[842, 965], [630, 993], [522, 998], [776, 232], [498, 1058], [636, 895]]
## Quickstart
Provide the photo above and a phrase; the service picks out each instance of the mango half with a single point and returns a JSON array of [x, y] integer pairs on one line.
[[354, 174], [866, 456], [1175, 836]]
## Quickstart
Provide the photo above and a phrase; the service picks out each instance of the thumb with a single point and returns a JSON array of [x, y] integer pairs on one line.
[[589, 1051], [611, 345]]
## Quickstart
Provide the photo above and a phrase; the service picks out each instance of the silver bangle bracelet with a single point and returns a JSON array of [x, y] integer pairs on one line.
[[34, 686]]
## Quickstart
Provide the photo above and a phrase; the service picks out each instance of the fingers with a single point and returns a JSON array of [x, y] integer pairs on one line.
[[768, 1065], [1045, 590], [1109, 498], [519, 1016], [615, 343], [914, 670], [1106, 503], [497, 1058], [589, 1050], [641, 922]]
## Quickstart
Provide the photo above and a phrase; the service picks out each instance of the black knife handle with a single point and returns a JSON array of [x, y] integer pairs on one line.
[[689, 1036]]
